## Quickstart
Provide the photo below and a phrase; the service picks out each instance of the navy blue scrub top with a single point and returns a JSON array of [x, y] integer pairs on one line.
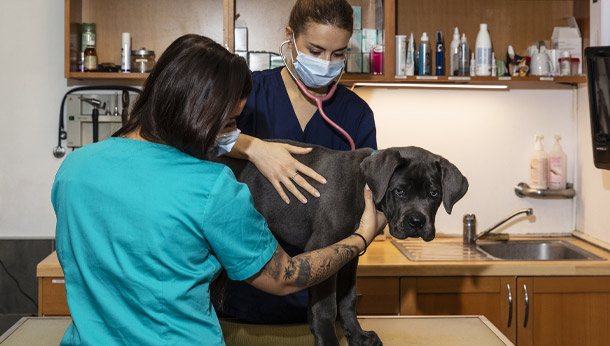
[[268, 114]]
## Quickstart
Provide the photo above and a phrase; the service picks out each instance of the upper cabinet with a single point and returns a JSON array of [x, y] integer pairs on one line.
[[155, 24]]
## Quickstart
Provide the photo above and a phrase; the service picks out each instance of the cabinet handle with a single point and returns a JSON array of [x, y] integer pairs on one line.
[[510, 305], [527, 306], [58, 281]]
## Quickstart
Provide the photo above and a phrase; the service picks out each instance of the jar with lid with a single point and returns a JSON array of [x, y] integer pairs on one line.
[[87, 35], [142, 60], [565, 64]]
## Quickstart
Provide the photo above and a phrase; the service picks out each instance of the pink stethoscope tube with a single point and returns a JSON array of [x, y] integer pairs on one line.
[[319, 100]]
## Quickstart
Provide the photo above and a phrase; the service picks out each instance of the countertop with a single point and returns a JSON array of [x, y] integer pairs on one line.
[[393, 331], [382, 258]]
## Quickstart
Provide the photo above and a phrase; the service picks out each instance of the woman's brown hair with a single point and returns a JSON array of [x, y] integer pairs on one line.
[[337, 13], [190, 95]]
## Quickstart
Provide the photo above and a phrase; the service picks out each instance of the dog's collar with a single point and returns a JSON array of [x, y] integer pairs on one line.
[[374, 152]]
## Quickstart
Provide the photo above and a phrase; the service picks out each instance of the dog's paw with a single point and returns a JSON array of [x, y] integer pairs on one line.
[[367, 338]]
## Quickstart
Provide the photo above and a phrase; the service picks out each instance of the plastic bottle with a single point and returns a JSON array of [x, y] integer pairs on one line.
[[411, 56], [473, 66], [440, 54], [463, 57], [494, 70], [424, 56], [539, 166], [126, 52], [453, 53], [557, 166], [483, 52]]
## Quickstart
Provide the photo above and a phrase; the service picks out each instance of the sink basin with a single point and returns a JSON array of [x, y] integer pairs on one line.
[[537, 250], [487, 250]]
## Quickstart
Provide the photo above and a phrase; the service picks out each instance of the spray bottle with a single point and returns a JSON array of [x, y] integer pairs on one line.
[[463, 64], [440, 54], [453, 53], [424, 65]]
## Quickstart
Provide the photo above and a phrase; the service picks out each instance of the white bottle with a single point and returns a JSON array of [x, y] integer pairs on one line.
[[473, 65], [539, 166], [494, 70], [453, 53], [557, 166], [126, 52], [483, 52]]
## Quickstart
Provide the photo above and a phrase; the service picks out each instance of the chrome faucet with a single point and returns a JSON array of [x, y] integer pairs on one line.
[[470, 226]]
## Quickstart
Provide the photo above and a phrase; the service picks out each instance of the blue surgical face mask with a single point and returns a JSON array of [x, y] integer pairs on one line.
[[315, 72], [224, 142]]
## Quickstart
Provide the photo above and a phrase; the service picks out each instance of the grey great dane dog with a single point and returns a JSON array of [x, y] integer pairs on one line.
[[409, 184]]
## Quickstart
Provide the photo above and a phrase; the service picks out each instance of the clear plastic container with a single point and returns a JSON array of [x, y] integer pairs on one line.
[[142, 60]]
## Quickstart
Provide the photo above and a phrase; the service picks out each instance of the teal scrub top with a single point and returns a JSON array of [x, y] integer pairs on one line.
[[142, 229]]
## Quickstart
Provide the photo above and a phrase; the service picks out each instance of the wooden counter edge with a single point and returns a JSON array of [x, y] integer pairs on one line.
[[383, 259]]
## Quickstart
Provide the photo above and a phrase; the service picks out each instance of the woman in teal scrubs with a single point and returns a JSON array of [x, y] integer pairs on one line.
[[145, 223]]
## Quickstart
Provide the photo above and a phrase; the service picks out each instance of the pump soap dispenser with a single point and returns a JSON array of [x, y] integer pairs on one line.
[[539, 165], [557, 166]]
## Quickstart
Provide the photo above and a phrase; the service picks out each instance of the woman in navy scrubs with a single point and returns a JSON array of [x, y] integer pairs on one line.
[[318, 34]]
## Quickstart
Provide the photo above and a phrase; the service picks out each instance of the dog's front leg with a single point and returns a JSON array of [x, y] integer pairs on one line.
[[347, 299], [322, 312]]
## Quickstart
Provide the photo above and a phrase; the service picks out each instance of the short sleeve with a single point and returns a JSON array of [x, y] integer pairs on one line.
[[237, 233]]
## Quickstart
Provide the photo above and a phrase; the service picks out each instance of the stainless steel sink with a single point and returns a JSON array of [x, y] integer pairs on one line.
[[485, 250], [537, 250]]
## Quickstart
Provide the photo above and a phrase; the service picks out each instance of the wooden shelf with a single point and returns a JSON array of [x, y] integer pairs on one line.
[[401, 17], [107, 75]]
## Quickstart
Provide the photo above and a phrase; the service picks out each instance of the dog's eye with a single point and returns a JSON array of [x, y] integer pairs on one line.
[[433, 194], [400, 193]]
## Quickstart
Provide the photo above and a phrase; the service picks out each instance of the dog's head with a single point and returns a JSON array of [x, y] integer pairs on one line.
[[409, 185]]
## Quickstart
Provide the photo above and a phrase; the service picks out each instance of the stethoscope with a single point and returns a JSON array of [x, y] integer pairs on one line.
[[319, 99]]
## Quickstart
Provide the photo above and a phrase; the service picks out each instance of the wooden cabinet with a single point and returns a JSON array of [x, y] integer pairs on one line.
[[155, 24], [528, 310], [563, 311], [378, 295], [52, 297]]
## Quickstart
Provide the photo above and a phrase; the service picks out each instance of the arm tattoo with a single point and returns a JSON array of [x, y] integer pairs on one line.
[[311, 268]]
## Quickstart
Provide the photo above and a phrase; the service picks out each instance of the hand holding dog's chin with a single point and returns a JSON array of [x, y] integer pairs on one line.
[[372, 221]]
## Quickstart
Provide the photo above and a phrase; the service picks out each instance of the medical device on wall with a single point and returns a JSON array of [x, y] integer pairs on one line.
[[91, 117], [598, 79]]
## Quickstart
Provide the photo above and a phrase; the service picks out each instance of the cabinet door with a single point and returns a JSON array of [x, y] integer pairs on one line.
[[493, 297], [52, 297], [564, 311], [377, 295]]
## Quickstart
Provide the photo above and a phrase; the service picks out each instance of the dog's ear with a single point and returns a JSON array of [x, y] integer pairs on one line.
[[378, 169], [454, 183]]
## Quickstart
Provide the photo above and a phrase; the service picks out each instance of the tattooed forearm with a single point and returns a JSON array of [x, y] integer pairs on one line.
[[311, 268], [307, 269]]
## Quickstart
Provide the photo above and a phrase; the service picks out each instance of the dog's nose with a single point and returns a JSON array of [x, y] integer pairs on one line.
[[416, 220]]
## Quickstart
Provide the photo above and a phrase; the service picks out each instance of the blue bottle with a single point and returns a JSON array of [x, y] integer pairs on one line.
[[440, 54]]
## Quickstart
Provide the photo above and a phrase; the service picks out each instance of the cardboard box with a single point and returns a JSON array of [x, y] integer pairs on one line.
[[568, 38], [241, 39], [355, 42], [369, 39], [357, 17], [259, 61], [354, 62]]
